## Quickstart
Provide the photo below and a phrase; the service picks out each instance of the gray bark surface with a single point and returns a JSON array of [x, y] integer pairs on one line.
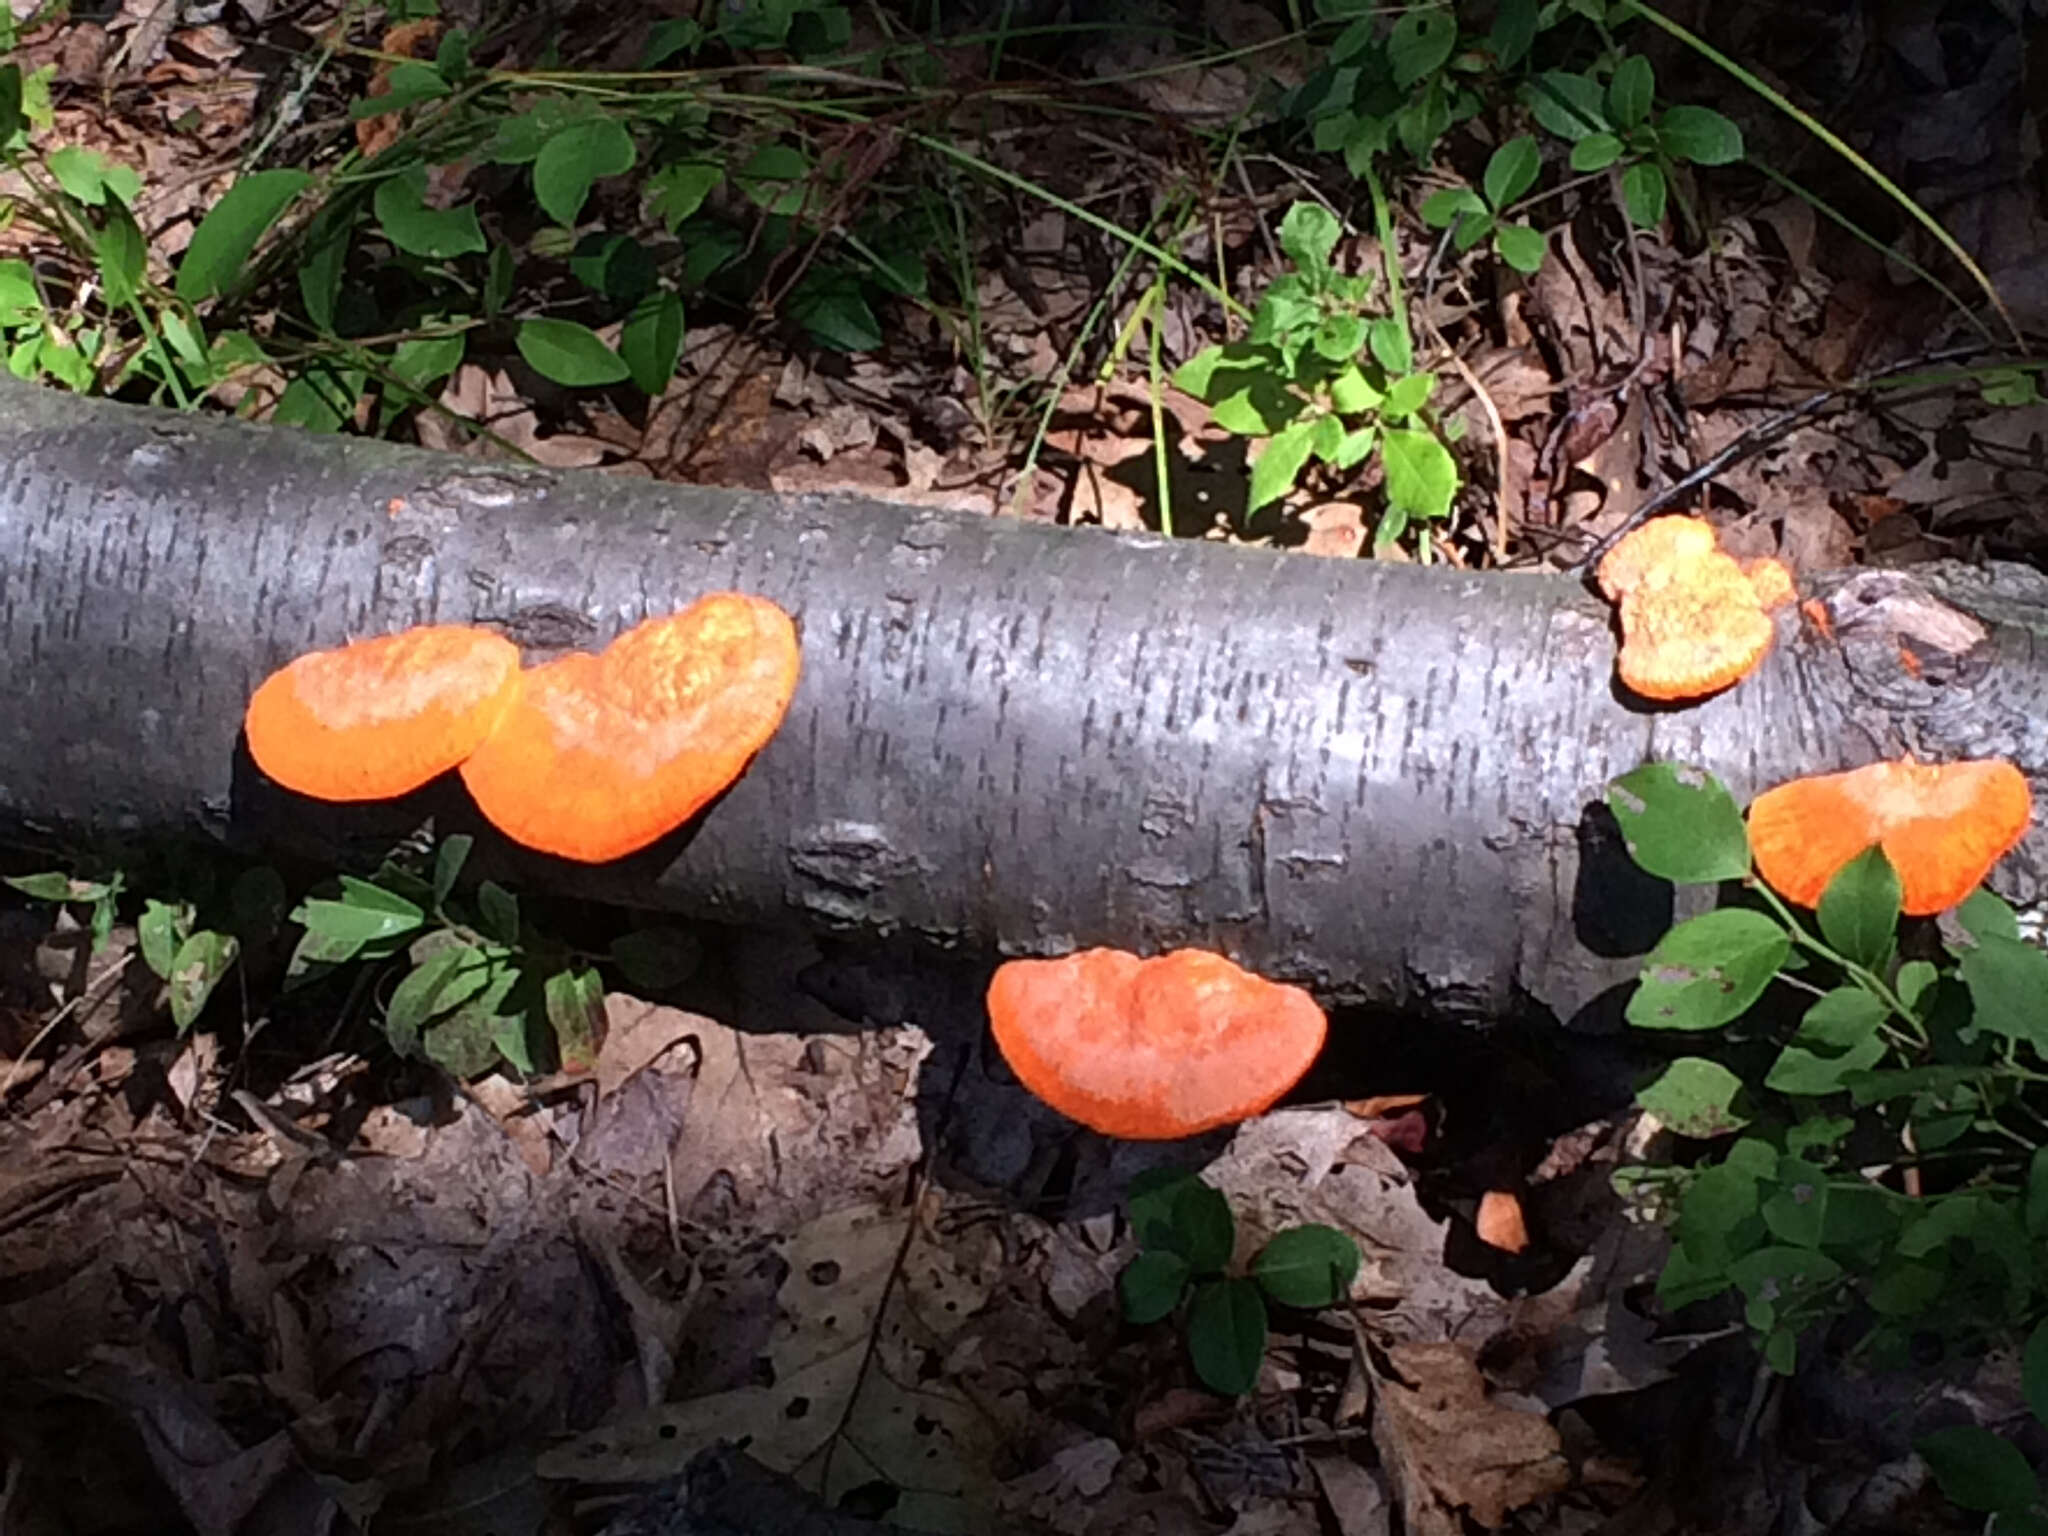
[[1371, 778]]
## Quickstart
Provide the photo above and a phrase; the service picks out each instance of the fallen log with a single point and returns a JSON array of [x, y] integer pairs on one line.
[[1380, 780]]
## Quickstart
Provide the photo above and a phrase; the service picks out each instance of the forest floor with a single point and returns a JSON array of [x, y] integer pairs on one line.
[[262, 1278]]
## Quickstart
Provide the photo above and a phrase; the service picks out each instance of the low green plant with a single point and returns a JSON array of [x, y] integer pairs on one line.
[[1873, 1111], [1325, 375], [1510, 173], [471, 984], [1186, 1235]]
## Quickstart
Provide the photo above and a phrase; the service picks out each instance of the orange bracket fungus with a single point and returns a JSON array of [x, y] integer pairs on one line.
[[1152, 1050], [1693, 621], [379, 718], [601, 755], [1942, 826]]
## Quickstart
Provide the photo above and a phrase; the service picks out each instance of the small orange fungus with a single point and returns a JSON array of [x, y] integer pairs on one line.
[[378, 718], [1693, 621], [1499, 1221], [1942, 826], [1152, 1050], [602, 755]]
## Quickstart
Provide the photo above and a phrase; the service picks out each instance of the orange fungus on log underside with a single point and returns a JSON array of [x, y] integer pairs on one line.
[[604, 754], [1693, 621], [1152, 1050], [1942, 826], [378, 718]]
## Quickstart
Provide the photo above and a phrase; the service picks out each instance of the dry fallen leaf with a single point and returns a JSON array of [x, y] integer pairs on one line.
[[1451, 1449]]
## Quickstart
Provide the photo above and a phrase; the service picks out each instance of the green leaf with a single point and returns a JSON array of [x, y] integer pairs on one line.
[[1859, 911], [1984, 915], [350, 928], [1307, 1267], [498, 275], [667, 38], [422, 361], [1200, 1227], [1796, 1212], [19, 298], [1405, 396], [1570, 106], [11, 120], [1521, 247], [1512, 170], [1913, 982], [1695, 1097], [409, 224], [569, 353], [1802, 1070], [1841, 1020], [656, 959], [1279, 463], [1340, 338], [87, 175], [1977, 1470], [1392, 347], [201, 961], [1700, 135], [1419, 44], [676, 191], [1152, 1285], [1255, 405], [1355, 447], [1308, 233], [832, 307], [498, 913], [157, 935], [1643, 192], [1515, 24], [1227, 1335], [1595, 152], [230, 230], [122, 254], [320, 274], [1630, 92], [1680, 824], [438, 985], [775, 178], [2034, 1372], [1150, 1199], [2008, 982], [2009, 386], [575, 1006], [411, 83], [1351, 392], [373, 897], [2035, 1208], [652, 340], [1443, 208], [1708, 971], [1422, 477], [518, 140], [575, 158]]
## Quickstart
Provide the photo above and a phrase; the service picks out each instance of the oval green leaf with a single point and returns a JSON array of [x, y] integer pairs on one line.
[[1695, 1097], [575, 158], [409, 224], [651, 341], [1512, 170], [1643, 193], [228, 233], [1859, 911], [569, 353], [1699, 134], [1422, 477], [1707, 972], [1227, 1335], [1152, 1284], [1307, 1267], [1977, 1470], [1680, 824]]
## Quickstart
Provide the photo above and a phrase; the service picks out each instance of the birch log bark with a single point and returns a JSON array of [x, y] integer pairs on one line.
[[1378, 779]]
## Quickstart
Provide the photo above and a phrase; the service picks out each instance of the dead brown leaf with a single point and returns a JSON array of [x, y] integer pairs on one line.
[[1452, 1450]]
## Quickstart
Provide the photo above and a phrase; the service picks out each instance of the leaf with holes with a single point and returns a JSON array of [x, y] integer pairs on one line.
[[1680, 824]]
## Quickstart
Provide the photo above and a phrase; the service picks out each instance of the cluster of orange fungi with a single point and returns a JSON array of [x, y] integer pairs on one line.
[[1693, 620], [588, 757]]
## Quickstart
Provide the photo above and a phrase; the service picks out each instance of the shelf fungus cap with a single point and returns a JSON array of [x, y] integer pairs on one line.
[[1693, 621], [1942, 825], [602, 755], [378, 718], [1152, 1050]]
